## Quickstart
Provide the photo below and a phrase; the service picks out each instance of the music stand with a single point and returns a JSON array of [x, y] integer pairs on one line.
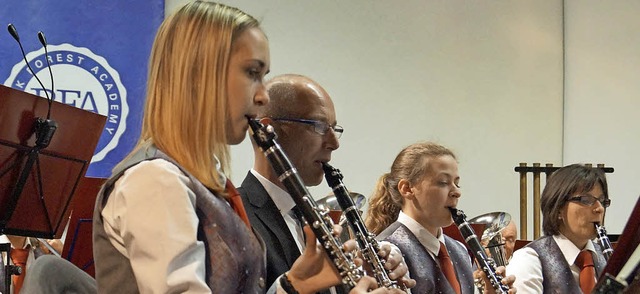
[[78, 246], [625, 256], [35, 196]]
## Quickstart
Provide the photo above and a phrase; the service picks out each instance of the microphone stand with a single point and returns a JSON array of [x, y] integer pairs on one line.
[[9, 269], [44, 130]]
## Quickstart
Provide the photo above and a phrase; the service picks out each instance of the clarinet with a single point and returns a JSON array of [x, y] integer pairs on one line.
[[485, 263], [367, 243], [607, 250], [317, 218]]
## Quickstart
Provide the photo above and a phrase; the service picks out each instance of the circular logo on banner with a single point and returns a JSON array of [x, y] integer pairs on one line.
[[82, 79]]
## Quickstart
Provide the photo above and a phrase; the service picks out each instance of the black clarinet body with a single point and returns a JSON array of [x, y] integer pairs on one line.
[[485, 263], [367, 243], [318, 219], [607, 250]]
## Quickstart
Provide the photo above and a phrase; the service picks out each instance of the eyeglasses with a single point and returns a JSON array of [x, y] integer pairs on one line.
[[319, 127], [589, 200]]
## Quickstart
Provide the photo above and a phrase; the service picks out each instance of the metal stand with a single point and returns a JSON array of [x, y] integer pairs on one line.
[[9, 269]]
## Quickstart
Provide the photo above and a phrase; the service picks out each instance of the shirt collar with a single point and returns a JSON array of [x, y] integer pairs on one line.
[[27, 241], [570, 250], [221, 175], [428, 240], [280, 197]]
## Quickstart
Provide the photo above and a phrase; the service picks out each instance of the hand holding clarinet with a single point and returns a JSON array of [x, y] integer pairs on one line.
[[384, 271], [338, 265], [490, 275]]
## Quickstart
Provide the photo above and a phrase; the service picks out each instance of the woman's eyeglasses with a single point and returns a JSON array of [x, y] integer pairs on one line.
[[319, 127], [589, 200]]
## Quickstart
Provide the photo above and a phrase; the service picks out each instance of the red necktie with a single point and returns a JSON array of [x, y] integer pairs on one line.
[[587, 272], [447, 268], [236, 202], [19, 258]]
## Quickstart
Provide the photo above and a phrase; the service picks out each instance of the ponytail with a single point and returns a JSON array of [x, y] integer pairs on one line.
[[383, 210], [411, 164]]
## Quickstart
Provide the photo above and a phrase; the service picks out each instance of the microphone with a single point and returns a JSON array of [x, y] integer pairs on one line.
[[43, 41], [14, 33], [44, 128]]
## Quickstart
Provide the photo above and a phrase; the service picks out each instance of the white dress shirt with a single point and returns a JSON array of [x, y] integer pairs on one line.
[[428, 240], [525, 265], [285, 203], [151, 219]]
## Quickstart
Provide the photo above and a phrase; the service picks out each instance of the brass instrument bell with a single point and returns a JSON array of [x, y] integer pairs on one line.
[[330, 203], [492, 239]]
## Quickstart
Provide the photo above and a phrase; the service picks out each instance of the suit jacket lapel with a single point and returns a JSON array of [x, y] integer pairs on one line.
[[266, 211]]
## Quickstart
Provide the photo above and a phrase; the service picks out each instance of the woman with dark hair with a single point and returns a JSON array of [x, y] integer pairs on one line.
[[565, 260]]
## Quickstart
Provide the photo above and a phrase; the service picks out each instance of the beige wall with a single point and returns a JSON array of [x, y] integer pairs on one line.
[[602, 96], [485, 78]]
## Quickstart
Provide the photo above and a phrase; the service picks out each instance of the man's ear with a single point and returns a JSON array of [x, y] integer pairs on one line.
[[405, 188]]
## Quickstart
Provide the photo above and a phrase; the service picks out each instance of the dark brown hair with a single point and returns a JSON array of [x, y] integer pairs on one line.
[[561, 185]]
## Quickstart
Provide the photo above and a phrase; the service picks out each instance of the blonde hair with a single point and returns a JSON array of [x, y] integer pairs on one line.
[[186, 108], [410, 164]]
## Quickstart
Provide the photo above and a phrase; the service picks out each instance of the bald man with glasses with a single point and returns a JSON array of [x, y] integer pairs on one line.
[[304, 118]]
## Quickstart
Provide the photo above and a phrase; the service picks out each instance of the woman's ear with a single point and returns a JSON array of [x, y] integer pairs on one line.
[[405, 189]]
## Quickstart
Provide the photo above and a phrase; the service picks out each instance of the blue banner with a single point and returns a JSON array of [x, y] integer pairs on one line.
[[98, 51]]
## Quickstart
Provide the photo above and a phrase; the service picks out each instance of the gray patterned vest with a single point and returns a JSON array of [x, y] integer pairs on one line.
[[235, 256], [556, 272], [423, 268]]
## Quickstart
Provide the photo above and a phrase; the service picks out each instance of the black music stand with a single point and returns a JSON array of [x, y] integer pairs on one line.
[[625, 256], [40, 167], [36, 190]]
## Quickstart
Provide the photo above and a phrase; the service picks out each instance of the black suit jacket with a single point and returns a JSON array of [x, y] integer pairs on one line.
[[267, 220]]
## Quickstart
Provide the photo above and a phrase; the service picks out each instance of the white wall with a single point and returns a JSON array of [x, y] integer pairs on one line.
[[602, 95], [484, 78]]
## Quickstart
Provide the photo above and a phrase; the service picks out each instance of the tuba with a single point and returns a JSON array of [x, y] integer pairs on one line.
[[491, 239], [485, 263], [369, 246], [330, 202]]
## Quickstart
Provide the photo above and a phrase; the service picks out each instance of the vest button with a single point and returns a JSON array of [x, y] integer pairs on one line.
[[261, 283]]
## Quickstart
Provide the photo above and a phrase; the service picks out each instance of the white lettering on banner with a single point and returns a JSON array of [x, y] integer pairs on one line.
[[83, 80]]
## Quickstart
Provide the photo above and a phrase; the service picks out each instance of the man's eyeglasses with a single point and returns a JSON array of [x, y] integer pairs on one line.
[[589, 200], [319, 127]]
